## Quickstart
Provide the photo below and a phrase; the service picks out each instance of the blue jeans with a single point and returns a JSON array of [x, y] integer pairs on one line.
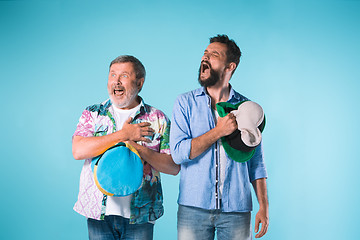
[[201, 224], [116, 227]]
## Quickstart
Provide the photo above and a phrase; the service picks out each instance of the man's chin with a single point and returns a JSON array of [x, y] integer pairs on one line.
[[203, 80], [202, 83], [206, 82], [117, 103]]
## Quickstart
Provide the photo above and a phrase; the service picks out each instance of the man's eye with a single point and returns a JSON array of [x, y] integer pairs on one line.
[[125, 76], [113, 75]]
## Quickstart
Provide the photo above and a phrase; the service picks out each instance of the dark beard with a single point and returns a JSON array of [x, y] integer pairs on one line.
[[210, 81]]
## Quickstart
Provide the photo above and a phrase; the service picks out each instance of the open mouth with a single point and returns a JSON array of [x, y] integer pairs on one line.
[[205, 68], [118, 91]]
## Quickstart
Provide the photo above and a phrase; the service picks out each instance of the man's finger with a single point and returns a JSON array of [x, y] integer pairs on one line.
[[145, 140], [149, 129], [263, 231], [257, 229], [144, 124], [147, 133], [257, 222]]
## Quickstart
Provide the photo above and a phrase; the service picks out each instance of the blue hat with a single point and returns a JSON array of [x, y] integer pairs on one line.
[[118, 171]]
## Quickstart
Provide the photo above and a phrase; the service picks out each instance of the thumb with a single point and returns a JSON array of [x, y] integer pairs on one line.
[[256, 225], [128, 121]]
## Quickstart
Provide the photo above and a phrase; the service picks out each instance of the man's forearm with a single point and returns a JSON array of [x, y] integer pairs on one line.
[[261, 193], [202, 143], [225, 126], [89, 147], [160, 161]]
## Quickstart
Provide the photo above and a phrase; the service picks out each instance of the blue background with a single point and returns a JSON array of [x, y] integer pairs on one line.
[[300, 62]]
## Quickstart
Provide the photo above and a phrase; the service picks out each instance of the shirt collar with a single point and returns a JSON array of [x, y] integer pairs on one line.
[[233, 95], [143, 107], [200, 92]]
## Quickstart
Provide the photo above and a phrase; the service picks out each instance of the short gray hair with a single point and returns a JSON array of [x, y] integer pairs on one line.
[[138, 66]]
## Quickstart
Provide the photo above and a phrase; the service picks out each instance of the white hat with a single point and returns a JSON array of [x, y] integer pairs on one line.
[[249, 116]]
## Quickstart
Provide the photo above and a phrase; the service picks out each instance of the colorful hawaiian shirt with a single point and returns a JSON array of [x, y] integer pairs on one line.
[[147, 202]]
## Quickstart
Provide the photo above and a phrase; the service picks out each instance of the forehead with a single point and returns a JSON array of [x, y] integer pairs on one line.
[[122, 67], [217, 47]]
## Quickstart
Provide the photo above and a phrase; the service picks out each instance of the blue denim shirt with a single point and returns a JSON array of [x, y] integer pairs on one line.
[[192, 117]]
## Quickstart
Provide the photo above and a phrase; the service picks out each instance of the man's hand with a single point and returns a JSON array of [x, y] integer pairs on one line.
[[137, 132], [261, 217], [226, 125], [89, 147]]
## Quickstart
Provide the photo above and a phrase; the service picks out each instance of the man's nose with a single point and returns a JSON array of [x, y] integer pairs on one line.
[[118, 80], [206, 57]]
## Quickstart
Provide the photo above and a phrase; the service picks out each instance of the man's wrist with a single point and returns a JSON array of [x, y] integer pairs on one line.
[[217, 133]]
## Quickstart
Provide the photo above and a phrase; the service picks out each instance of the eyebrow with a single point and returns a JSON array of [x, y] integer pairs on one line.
[[206, 51], [125, 72]]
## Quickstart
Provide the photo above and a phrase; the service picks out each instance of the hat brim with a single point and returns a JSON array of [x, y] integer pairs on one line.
[[118, 171]]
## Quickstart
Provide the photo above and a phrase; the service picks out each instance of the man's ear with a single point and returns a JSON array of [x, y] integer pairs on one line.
[[231, 67], [140, 83]]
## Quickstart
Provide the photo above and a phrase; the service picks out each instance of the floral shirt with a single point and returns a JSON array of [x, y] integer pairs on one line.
[[147, 202]]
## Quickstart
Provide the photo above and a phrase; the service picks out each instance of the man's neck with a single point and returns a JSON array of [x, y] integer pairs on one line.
[[218, 93], [134, 103]]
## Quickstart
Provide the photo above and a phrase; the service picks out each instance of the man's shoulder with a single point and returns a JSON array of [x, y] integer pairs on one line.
[[195, 92], [100, 108], [238, 97], [190, 95], [154, 112]]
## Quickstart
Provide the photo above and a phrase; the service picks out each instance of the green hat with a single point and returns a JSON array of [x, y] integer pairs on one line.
[[240, 145]]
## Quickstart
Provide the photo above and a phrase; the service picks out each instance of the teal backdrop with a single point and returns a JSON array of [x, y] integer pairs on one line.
[[300, 62]]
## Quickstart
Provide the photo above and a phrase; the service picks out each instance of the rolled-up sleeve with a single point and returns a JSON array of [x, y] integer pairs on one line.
[[180, 134], [85, 127], [256, 165]]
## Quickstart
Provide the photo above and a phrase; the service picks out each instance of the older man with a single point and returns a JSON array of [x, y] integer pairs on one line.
[[215, 193], [123, 118]]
